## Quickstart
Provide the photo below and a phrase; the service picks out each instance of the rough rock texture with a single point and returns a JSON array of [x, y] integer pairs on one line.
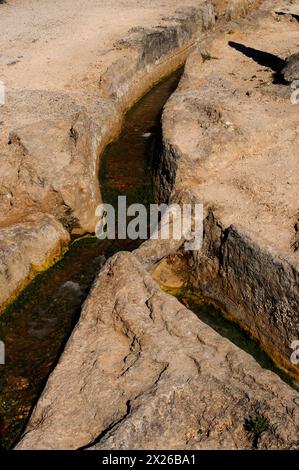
[[291, 71], [231, 143], [25, 249], [66, 94], [51, 138], [61, 110], [140, 371], [55, 123]]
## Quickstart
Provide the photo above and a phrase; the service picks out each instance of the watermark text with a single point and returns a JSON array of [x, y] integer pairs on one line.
[[160, 221]]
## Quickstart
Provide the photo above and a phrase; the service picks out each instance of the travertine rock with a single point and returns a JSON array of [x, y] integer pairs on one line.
[[51, 134], [61, 111], [291, 70], [140, 371], [51, 139], [230, 141], [25, 249]]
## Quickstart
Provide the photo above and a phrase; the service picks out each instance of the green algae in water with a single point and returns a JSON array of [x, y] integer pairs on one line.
[[37, 325], [209, 314]]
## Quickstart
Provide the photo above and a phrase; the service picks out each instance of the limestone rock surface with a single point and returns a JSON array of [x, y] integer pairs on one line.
[[25, 248], [291, 70], [141, 371]]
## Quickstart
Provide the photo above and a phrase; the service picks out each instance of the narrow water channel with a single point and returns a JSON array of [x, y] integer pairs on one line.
[[37, 325], [208, 313]]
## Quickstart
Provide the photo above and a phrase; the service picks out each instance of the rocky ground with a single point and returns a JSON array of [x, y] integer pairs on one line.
[[140, 370], [230, 142], [52, 61], [69, 76], [234, 120], [143, 372]]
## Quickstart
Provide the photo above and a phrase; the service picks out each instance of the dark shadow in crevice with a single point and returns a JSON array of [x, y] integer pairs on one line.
[[266, 59], [283, 13]]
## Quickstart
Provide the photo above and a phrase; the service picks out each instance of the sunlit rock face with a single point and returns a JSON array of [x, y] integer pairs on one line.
[[141, 371]]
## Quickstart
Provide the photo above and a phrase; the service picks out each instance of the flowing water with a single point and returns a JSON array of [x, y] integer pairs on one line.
[[37, 325]]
